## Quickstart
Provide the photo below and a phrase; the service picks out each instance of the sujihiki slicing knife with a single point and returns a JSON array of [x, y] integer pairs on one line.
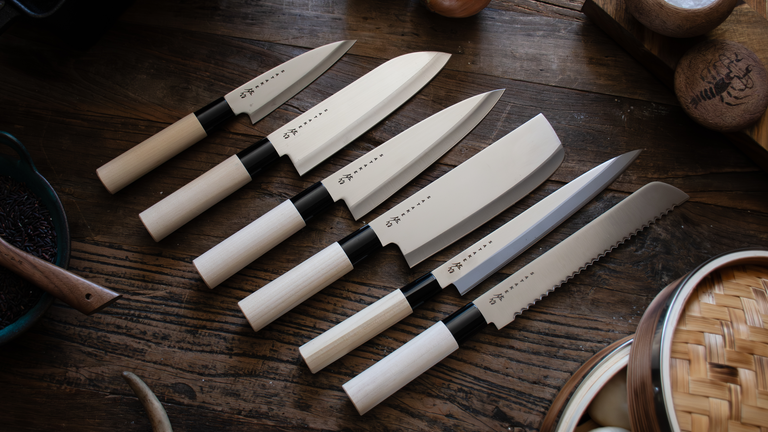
[[258, 97], [502, 303], [307, 140], [429, 220], [466, 269], [362, 185]]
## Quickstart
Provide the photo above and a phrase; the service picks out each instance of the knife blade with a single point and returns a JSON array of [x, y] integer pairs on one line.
[[432, 218], [307, 140], [468, 268], [517, 293], [258, 97], [362, 185]]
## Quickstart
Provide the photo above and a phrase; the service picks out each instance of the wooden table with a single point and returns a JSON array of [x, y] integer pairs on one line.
[[76, 108]]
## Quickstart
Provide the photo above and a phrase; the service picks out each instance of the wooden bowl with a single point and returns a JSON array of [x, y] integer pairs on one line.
[[667, 18], [699, 360], [568, 411]]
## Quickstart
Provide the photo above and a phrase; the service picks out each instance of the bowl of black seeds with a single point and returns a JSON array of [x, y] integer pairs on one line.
[[33, 220]]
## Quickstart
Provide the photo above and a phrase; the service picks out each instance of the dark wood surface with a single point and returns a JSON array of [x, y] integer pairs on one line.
[[77, 108]]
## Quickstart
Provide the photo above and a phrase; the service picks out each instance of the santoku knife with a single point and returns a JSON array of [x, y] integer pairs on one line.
[[362, 185], [307, 140], [258, 97], [502, 303], [467, 269], [431, 219]]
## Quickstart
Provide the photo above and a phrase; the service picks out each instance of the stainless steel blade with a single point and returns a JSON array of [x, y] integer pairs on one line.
[[484, 258], [263, 94], [375, 176], [333, 123], [502, 303], [472, 193]]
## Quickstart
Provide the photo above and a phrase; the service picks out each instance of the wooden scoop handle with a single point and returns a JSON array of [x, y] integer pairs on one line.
[[85, 296]]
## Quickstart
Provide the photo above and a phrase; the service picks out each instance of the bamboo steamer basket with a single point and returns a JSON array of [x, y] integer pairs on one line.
[[699, 360], [568, 411]]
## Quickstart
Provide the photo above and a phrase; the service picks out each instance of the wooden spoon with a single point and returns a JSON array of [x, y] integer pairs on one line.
[[85, 296]]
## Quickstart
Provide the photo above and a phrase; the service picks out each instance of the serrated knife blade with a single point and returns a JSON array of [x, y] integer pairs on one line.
[[307, 140], [257, 98], [502, 303], [430, 219], [466, 269], [361, 185]]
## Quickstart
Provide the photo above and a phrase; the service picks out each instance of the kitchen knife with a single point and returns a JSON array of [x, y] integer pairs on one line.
[[467, 269], [307, 140], [502, 303], [431, 219], [258, 97], [362, 185]]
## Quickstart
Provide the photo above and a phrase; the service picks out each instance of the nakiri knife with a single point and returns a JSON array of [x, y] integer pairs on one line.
[[431, 219], [362, 185], [468, 268], [258, 97], [308, 139], [502, 303]]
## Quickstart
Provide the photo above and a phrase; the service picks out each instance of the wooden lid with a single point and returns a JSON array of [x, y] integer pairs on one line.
[[722, 85], [719, 357]]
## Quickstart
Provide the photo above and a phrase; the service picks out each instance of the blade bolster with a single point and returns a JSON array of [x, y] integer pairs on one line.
[[214, 114], [360, 244], [421, 290], [465, 322], [258, 156], [312, 201]]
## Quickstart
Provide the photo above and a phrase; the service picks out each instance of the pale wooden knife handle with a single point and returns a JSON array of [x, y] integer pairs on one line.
[[355, 331], [199, 195], [401, 367], [83, 295], [148, 155], [289, 290], [247, 245]]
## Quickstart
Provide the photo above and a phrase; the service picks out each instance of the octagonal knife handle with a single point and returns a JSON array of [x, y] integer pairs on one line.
[[199, 195], [261, 235], [400, 367], [291, 289], [355, 330], [247, 245], [185, 204], [151, 153]]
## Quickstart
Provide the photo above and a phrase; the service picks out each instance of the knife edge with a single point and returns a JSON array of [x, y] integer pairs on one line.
[[524, 288]]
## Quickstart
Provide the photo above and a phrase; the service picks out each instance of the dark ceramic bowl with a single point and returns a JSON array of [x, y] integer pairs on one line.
[[23, 170]]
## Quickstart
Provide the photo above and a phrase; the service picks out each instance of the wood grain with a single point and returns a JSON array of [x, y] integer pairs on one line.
[[660, 54], [77, 109]]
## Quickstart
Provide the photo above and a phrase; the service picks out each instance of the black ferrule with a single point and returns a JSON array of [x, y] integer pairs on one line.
[[258, 156], [465, 322], [360, 244], [312, 201], [421, 290], [213, 114]]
